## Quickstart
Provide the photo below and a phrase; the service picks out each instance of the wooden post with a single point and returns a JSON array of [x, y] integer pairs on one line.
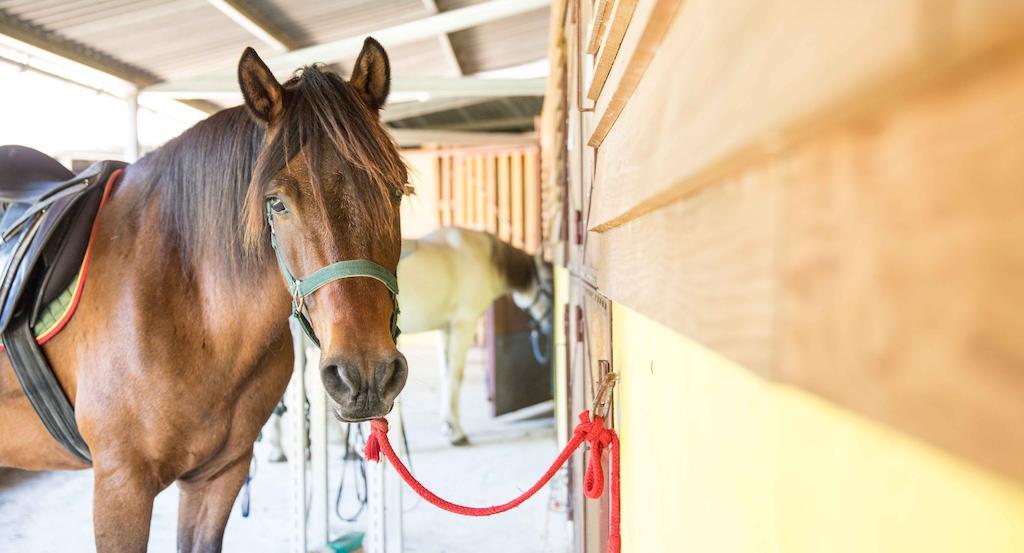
[[490, 187], [531, 186], [516, 160], [504, 199]]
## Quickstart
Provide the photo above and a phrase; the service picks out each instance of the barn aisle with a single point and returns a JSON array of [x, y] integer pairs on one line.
[[53, 512]]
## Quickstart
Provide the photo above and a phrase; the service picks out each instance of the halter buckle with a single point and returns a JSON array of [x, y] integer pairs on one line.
[[298, 300]]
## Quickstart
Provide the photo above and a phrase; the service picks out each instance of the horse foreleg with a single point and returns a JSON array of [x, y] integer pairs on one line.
[[205, 504], [457, 341], [123, 495]]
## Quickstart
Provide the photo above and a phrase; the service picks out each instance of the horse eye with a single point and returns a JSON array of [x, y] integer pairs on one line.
[[277, 206]]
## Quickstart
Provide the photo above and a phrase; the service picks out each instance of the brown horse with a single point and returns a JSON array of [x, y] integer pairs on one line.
[[180, 347]]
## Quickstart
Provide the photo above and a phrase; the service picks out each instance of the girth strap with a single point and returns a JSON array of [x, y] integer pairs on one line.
[[41, 387]]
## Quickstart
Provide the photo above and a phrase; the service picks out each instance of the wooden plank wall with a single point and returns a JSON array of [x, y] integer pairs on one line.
[[828, 192], [497, 190]]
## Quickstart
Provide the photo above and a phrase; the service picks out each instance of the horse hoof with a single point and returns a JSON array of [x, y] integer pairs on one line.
[[460, 441]]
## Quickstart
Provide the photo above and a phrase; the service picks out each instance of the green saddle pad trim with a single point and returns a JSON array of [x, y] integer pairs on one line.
[[54, 311]]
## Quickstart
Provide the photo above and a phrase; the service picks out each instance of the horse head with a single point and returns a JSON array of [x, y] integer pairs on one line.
[[327, 186], [537, 299]]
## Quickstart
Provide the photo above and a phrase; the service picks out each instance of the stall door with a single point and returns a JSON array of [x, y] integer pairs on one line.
[[517, 379]]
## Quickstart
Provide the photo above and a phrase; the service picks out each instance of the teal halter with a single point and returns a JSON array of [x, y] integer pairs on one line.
[[299, 289]]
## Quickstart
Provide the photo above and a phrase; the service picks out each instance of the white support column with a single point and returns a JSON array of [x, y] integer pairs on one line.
[[297, 451], [131, 146], [384, 531], [319, 511]]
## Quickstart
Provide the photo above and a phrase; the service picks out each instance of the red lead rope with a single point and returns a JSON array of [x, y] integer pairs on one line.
[[591, 431]]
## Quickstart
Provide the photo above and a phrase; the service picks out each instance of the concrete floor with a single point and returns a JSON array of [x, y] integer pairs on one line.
[[50, 512]]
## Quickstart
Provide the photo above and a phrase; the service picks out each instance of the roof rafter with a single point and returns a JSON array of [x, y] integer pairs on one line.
[[254, 24]]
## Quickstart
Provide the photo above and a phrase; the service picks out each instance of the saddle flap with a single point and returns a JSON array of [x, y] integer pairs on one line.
[[44, 233]]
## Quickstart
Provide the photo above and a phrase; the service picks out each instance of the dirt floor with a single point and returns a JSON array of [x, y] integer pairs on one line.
[[47, 512]]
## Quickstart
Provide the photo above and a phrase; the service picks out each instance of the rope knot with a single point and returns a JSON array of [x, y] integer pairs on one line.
[[378, 428], [598, 437]]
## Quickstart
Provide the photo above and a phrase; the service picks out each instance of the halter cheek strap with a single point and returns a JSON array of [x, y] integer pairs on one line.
[[300, 289]]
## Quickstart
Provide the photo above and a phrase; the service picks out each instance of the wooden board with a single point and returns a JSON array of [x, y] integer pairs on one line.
[[728, 101], [621, 14], [879, 265]]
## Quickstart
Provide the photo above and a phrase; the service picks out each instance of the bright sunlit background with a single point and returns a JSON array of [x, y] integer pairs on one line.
[[80, 114]]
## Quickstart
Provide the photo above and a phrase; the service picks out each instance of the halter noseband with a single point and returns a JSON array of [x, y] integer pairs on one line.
[[300, 289]]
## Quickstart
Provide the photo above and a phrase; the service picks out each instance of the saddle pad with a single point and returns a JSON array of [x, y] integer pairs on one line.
[[55, 315]]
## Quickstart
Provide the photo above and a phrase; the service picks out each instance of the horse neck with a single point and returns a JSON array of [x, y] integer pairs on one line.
[[231, 308]]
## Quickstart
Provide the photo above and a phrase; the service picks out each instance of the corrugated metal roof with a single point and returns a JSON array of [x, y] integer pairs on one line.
[[152, 40]]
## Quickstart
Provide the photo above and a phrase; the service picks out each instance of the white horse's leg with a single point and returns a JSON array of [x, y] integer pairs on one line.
[[458, 339], [272, 439]]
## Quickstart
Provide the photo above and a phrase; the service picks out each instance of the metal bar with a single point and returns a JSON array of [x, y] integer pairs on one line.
[[297, 452], [444, 40], [319, 511], [131, 146], [406, 110], [433, 87], [247, 20], [348, 48]]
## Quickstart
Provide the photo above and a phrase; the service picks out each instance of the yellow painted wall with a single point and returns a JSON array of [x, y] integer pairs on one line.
[[717, 460]]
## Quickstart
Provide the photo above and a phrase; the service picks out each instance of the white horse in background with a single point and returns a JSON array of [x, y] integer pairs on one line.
[[447, 280]]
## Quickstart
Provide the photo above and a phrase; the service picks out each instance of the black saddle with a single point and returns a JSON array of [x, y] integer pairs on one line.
[[47, 218]]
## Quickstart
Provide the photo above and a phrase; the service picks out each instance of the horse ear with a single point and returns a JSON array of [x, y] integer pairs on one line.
[[263, 94], [371, 75]]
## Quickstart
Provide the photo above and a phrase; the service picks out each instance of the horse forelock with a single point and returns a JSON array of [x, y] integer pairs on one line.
[[212, 179], [324, 114]]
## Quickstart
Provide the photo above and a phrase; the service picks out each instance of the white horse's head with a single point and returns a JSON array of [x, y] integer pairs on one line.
[[537, 299]]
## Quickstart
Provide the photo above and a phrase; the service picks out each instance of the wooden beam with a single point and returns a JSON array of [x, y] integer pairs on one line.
[[254, 24]]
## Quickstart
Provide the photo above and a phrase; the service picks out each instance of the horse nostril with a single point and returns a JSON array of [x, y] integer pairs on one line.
[[390, 376], [348, 376]]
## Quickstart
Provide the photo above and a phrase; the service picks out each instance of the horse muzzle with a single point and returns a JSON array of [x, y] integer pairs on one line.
[[364, 390]]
